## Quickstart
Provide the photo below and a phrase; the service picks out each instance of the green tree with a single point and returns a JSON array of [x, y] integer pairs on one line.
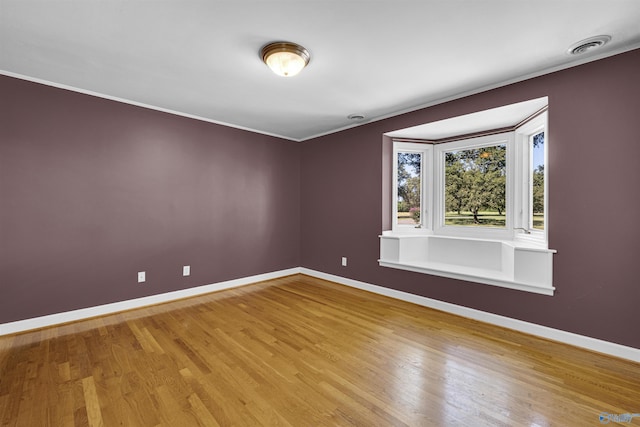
[[411, 192], [409, 165], [476, 180], [454, 185], [477, 196], [538, 190]]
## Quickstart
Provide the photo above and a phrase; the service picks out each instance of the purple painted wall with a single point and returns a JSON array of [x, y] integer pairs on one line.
[[92, 191], [594, 175]]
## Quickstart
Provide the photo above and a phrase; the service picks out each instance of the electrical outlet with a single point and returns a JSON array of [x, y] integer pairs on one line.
[[344, 261], [142, 276], [186, 270]]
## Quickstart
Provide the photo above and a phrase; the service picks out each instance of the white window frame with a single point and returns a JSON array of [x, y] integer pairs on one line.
[[518, 224], [426, 180], [439, 190], [524, 146]]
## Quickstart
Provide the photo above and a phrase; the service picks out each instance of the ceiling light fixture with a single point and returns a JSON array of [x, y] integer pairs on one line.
[[589, 44], [285, 58]]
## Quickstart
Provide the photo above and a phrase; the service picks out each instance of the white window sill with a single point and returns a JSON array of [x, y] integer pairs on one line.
[[507, 264]]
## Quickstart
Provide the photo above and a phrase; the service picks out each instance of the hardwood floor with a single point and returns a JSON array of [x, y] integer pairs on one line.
[[299, 351]]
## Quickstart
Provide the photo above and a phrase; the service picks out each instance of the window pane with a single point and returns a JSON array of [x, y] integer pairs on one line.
[[409, 188], [475, 187], [537, 182]]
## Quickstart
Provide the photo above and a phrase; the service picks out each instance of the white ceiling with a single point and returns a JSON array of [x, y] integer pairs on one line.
[[377, 58]]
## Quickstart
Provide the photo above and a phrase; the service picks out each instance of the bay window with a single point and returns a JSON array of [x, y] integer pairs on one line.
[[474, 206]]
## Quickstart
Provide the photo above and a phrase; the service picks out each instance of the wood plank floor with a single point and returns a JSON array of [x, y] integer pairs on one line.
[[299, 351]]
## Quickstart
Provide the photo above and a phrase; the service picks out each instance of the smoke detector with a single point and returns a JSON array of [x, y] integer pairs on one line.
[[588, 45]]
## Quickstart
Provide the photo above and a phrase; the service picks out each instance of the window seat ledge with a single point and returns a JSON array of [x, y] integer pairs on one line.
[[487, 277], [491, 262]]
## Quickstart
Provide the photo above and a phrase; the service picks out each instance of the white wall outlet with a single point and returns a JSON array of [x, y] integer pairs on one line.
[[186, 270], [142, 276], [344, 261]]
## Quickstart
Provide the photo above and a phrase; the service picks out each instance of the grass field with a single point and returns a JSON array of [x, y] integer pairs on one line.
[[486, 218]]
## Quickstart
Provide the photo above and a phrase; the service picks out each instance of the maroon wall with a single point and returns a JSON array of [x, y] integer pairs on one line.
[[594, 178], [93, 191]]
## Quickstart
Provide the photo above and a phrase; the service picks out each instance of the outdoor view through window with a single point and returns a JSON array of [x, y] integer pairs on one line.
[[409, 188], [475, 187], [537, 181]]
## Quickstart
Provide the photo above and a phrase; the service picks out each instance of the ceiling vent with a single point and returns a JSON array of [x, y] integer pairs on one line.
[[587, 45]]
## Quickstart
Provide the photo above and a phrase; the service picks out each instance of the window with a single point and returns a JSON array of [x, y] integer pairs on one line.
[[409, 187], [476, 187], [537, 182], [491, 186], [411, 201], [474, 178], [473, 204], [532, 148]]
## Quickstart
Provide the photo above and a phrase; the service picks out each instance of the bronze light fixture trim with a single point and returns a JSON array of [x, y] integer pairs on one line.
[[285, 58]]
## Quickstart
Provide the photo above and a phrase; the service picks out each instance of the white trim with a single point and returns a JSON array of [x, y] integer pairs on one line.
[[570, 338], [593, 344], [101, 310]]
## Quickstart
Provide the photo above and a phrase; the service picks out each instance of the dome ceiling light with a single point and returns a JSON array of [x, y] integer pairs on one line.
[[285, 58]]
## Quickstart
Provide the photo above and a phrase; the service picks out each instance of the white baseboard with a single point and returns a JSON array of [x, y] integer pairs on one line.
[[570, 338], [101, 310], [565, 337]]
